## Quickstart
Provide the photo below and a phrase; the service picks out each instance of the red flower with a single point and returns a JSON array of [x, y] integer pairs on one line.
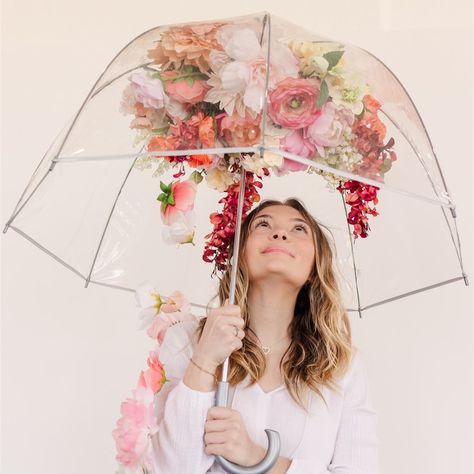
[[217, 246], [358, 197]]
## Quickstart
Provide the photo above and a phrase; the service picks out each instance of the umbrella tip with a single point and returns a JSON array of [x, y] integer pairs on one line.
[[466, 280], [5, 228]]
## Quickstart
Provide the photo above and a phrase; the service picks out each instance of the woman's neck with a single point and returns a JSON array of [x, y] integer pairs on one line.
[[271, 312]]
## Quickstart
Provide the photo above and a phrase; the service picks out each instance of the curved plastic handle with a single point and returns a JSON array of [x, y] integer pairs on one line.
[[273, 437]]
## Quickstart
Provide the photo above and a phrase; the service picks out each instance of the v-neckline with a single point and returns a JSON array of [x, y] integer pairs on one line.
[[271, 391]]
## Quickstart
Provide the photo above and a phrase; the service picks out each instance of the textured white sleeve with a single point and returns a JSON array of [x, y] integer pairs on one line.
[[356, 447], [178, 446]]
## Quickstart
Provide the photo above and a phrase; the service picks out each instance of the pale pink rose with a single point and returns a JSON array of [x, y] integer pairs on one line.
[[134, 429], [148, 91], [181, 91], [184, 193], [328, 129], [292, 104], [240, 131], [155, 376]]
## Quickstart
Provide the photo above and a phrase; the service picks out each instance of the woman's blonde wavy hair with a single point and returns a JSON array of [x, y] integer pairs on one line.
[[320, 331]]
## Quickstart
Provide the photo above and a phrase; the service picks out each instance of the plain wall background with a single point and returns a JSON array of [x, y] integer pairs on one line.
[[71, 355]]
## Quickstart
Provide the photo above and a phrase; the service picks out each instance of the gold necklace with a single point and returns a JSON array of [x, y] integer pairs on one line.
[[266, 349]]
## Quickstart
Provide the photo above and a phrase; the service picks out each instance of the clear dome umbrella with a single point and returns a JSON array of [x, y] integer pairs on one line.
[[191, 125]]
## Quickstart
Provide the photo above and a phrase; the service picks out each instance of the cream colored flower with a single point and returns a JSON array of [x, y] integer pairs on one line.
[[219, 179], [348, 91]]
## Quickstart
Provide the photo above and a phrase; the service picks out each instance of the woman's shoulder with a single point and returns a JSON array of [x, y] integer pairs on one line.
[[355, 372], [355, 381]]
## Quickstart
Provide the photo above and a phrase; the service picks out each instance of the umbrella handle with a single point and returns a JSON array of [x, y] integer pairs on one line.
[[273, 438]]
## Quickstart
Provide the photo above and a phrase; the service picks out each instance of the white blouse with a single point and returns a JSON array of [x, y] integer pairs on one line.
[[339, 438]]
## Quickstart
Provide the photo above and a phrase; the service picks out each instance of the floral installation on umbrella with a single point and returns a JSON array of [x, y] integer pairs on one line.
[[138, 422], [204, 88]]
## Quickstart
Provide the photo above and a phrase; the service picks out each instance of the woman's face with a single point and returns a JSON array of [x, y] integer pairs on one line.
[[280, 242]]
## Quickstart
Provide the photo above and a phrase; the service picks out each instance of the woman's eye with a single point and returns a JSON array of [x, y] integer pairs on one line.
[[261, 222], [301, 227]]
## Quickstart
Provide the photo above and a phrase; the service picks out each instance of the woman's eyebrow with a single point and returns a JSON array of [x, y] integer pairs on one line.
[[293, 218]]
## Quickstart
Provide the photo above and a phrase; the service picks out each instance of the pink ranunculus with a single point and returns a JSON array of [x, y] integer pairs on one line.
[[182, 91], [328, 128], [292, 103], [134, 429], [148, 91], [240, 131], [297, 144], [184, 193]]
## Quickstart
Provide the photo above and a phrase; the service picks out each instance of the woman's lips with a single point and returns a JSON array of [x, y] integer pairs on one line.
[[276, 249]]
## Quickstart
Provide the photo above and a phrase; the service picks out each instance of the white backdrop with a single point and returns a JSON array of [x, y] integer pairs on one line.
[[70, 355]]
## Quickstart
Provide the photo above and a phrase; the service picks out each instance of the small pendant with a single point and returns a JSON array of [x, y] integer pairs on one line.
[[265, 350]]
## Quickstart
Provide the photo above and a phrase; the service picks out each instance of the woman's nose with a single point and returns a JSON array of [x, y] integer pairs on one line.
[[276, 234]]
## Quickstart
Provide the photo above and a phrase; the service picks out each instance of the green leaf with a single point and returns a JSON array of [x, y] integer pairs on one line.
[[164, 187], [171, 200], [386, 166], [323, 95], [161, 197], [333, 58], [190, 81]]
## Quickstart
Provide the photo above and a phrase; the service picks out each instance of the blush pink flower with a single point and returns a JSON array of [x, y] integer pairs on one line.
[[134, 429], [183, 193], [297, 144], [292, 104], [148, 91], [328, 129], [155, 376], [240, 131], [183, 91], [189, 44], [175, 310]]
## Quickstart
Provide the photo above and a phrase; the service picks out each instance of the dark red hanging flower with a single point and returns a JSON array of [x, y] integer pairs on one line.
[[217, 247], [358, 196]]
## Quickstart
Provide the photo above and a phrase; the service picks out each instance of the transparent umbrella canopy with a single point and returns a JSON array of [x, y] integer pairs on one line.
[[302, 113], [190, 125]]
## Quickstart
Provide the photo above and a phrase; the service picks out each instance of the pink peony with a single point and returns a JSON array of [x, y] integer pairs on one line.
[[134, 429], [183, 91], [297, 144], [292, 104], [240, 131], [184, 193], [328, 128]]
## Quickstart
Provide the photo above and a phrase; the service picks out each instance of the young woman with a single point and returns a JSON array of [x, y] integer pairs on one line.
[[292, 364]]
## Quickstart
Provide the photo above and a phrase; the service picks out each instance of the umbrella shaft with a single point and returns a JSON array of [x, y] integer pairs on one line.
[[235, 254]]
